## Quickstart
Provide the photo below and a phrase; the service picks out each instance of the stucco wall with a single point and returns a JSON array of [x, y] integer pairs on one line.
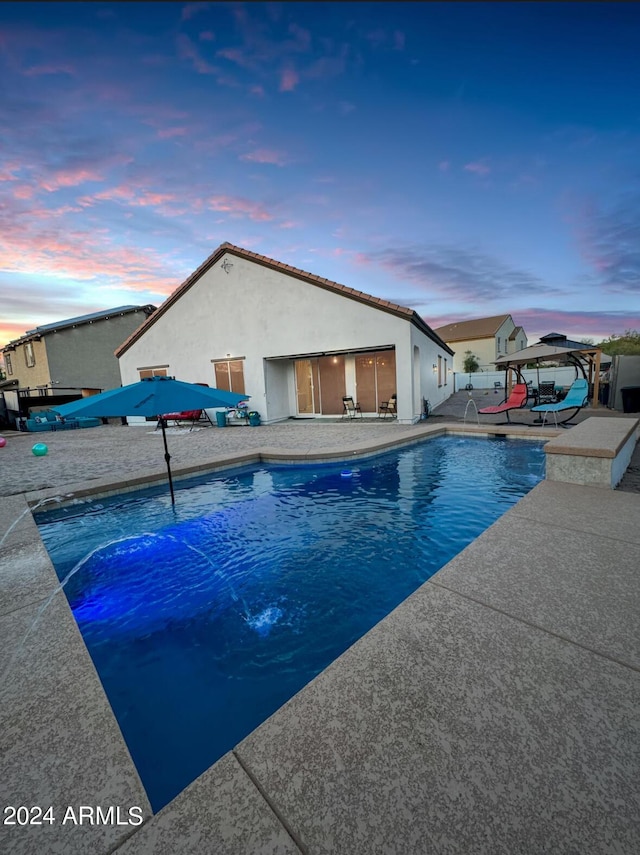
[[256, 313], [34, 375], [484, 349], [502, 338], [83, 356]]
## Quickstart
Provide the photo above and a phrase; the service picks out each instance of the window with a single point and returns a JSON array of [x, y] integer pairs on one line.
[[498, 345], [439, 370], [152, 372], [8, 365], [29, 356], [229, 375], [445, 371]]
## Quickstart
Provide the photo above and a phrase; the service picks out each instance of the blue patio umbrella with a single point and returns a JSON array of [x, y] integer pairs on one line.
[[152, 397]]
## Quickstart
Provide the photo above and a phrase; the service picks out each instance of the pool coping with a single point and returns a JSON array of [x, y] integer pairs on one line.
[[239, 780], [104, 487]]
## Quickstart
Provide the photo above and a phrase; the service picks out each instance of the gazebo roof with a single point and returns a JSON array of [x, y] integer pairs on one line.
[[544, 353]]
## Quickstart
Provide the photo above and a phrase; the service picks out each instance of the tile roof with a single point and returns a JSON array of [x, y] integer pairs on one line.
[[303, 275], [467, 330]]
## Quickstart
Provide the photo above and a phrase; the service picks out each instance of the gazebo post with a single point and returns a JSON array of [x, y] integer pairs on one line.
[[596, 380]]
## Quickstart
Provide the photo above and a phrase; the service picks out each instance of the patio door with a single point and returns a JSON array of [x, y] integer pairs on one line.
[[320, 385], [306, 388], [375, 378]]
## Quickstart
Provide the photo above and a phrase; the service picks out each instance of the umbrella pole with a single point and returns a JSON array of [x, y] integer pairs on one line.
[[167, 458]]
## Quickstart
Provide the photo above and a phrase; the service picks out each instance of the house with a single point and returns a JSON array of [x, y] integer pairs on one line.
[[486, 338], [67, 357], [295, 342]]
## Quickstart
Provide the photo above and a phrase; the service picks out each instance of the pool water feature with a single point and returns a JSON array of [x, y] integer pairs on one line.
[[202, 619]]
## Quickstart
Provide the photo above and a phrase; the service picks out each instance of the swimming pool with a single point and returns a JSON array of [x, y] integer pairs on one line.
[[203, 619]]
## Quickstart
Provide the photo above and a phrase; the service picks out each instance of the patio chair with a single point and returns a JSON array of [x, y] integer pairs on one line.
[[350, 408], [575, 399], [547, 393], [516, 401], [388, 407]]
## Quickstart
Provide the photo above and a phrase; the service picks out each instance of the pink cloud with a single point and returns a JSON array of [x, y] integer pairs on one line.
[[236, 56], [8, 174], [10, 331], [340, 252], [23, 191], [207, 36], [170, 133], [477, 167], [70, 178], [111, 194], [83, 255], [444, 165], [289, 79], [257, 90], [597, 324], [149, 198], [38, 70], [214, 144], [240, 207], [398, 40], [128, 195], [188, 51], [263, 155], [361, 259]]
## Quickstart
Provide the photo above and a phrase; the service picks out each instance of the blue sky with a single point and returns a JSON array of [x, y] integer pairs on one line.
[[464, 159]]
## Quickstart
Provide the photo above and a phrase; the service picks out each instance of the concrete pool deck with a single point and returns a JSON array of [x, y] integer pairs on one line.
[[495, 710]]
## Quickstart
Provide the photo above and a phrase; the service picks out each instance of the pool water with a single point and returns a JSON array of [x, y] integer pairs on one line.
[[203, 619]]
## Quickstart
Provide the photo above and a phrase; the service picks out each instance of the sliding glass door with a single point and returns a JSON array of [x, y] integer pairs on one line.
[[375, 379], [320, 385]]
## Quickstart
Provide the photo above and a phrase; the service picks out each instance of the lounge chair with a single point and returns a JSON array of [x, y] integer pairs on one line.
[[388, 407], [516, 401], [192, 416], [350, 408], [575, 399]]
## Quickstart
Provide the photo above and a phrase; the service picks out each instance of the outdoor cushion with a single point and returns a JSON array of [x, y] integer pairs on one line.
[[516, 401]]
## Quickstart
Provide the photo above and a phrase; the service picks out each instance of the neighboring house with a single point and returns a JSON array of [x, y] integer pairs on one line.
[[295, 342], [486, 338], [73, 354], [517, 340]]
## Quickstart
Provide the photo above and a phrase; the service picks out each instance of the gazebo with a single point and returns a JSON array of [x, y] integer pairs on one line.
[[586, 361]]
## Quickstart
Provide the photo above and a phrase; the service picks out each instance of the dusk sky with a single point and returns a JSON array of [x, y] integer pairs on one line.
[[463, 159]]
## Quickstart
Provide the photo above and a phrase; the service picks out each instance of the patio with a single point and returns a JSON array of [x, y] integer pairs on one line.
[[495, 710]]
